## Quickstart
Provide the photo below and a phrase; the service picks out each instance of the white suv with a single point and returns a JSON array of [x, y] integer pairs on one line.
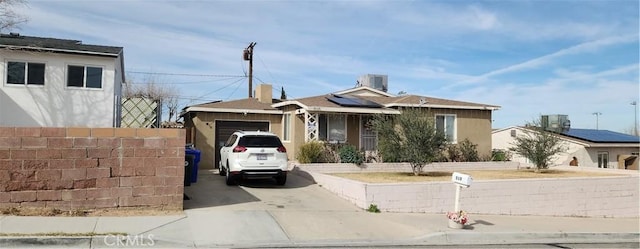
[[253, 154]]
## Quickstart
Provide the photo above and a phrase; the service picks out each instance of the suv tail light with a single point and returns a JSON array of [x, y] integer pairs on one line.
[[282, 149], [239, 149]]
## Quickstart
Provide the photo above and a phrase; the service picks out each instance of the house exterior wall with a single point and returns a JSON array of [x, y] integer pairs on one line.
[[205, 122], [474, 125], [297, 132], [55, 104], [502, 140]]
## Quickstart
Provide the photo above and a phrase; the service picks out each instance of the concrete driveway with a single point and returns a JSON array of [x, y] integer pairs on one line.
[[259, 212], [211, 193]]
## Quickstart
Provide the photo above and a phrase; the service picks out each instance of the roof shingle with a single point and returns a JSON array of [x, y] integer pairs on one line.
[[54, 44]]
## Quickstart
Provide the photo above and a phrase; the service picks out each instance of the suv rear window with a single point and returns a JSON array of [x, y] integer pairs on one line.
[[260, 141]]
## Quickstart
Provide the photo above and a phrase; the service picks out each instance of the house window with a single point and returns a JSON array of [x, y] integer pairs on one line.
[[603, 159], [447, 125], [22, 73], [513, 133], [84, 76], [286, 127], [333, 128]]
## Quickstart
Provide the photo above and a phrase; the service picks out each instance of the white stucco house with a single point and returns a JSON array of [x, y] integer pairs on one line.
[[52, 82], [592, 148]]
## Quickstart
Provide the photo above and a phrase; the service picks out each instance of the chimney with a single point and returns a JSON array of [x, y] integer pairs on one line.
[[263, 93]]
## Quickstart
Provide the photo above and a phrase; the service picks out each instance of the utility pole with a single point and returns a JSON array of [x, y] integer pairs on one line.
[[248, 56], [635, 113], [597, 116]]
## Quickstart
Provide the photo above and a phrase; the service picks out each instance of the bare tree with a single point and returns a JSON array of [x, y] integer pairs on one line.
[[9, 19], [149, 87]]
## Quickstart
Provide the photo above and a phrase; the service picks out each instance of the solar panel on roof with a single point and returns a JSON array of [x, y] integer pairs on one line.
[[602, 136], [352, 101]]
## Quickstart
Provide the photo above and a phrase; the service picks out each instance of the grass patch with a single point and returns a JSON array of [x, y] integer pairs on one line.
[[442, 176]]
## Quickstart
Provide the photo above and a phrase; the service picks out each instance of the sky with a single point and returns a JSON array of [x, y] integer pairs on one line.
[[531, 58]]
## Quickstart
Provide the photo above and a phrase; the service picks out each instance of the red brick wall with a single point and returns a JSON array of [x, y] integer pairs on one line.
[[88, 168]]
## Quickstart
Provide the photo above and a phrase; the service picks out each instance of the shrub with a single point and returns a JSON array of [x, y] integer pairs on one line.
[[311, 152], [373, 208], [410, 136], [500, 155], [349, 154], [453, 154], [468, 151]]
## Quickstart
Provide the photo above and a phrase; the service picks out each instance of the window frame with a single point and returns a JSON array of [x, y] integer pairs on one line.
[[454, 140], [600, 157], [326, 117], [85, 76], [286, 127], [344, 128], [26, 73]]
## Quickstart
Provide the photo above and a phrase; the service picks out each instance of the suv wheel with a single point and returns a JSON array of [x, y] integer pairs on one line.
[[229, 179], [281, 180], [221, 170]]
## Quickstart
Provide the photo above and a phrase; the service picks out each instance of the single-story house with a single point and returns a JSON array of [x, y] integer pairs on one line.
[[592, 148], [59, 83], [339, 117]]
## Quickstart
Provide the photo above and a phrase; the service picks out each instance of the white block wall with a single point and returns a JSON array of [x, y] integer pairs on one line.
[[611, 196]]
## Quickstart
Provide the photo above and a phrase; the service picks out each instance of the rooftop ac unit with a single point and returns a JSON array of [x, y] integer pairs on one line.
[[556, 123], [375, 81]]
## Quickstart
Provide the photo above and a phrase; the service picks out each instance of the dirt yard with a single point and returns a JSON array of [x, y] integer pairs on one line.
[[441, 176], [26, 211]]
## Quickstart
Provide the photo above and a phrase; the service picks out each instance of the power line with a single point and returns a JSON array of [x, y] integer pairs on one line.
[[186, 74], [265, 67], [181, 83], [234, 91], [219, 89]]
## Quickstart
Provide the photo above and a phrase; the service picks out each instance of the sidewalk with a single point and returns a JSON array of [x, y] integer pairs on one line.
[[289, 229], [300, 214]]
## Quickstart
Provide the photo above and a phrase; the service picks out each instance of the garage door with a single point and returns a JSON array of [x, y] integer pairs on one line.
[[224, 129]]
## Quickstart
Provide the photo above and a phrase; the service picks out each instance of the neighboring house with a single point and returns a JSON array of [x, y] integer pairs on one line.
[[59, 83], [340, 117], [592, 148]]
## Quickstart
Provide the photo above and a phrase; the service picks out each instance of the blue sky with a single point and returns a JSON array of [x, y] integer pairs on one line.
[[529, 57]]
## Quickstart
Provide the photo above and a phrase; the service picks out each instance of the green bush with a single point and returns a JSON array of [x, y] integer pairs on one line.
[[500, 155], [373, 208], [468, 151], [349, 154], [311, 152]]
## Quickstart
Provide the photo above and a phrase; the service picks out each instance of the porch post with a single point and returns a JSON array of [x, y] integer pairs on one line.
[[311, 127]]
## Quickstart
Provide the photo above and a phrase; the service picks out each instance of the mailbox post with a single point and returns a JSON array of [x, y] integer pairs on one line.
[[461, 180]]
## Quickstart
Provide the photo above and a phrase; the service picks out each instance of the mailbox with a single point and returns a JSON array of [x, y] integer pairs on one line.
[[461, 179]]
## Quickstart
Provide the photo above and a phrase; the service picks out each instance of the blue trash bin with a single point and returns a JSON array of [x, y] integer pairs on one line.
[[194, 169]]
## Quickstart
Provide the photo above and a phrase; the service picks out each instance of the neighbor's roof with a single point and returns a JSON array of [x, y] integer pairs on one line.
[[601, 136], [235, 106], [17, 41]]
